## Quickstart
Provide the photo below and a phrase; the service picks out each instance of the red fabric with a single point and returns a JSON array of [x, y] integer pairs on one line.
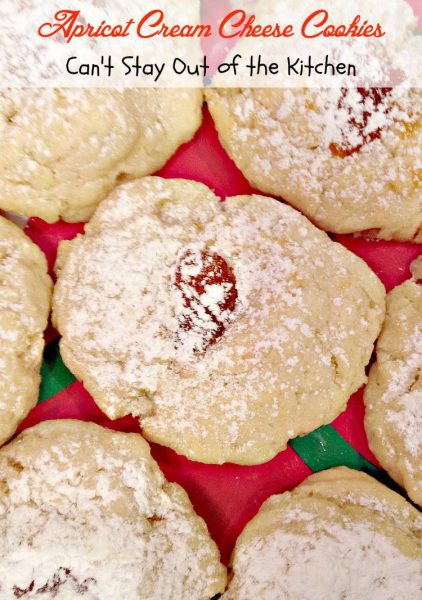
[[204, 160], [389, 260], [350, 426], [48, 236]]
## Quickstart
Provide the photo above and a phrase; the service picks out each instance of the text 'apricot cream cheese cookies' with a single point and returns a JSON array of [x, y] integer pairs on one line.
[[349, 159], [25, 292], [340, 534], [85, 511], [228, 328], [393, 396], [67, 148]]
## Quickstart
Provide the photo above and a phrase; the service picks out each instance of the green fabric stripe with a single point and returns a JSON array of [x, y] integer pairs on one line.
[[55, 376], [322, 449], [325, 448]]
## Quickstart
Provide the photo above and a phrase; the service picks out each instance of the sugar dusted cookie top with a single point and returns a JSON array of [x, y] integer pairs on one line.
[[349, 159], [228, 328], [340, 534], [393, 396], [25, 291], [67, 148], [85, 511]]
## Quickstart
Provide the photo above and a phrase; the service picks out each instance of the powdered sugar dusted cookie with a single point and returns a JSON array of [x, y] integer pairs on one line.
[[393, 396], [85, 511], [228, 328], [67, 148], [340, 534], [25, 290], [349, 159]]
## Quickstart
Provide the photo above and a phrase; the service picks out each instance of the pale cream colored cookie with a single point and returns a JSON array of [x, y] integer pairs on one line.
[[228, 328], [340, 534], [67, 148], [25, 291], [393, 396], [350, 162], [86, 512]]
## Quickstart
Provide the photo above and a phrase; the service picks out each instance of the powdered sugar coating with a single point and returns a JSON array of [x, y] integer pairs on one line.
[[281, 141], [66, 148], [341, 534], [86, 512], [293, 349], [25, 291], [393, 397]]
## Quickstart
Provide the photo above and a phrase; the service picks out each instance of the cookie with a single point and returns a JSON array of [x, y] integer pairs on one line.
[[85, 511], [393, 396], [25, 293], [348, 159], [340, 534], [228, 328], [67, 148]]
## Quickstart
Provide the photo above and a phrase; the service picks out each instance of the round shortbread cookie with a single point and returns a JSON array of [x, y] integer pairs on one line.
[[85, 511], [25, 293], [228, 328], [393, 396], [67, 148], [349, 160], [340, 534]]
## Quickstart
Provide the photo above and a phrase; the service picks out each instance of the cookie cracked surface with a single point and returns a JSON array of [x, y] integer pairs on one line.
[[66, 148], [350, 160], [228, 328], [393, 396], [25, 293], [85, 511], [340, 534]]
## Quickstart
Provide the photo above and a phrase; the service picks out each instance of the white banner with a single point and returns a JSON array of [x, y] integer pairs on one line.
[[165, 43]]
